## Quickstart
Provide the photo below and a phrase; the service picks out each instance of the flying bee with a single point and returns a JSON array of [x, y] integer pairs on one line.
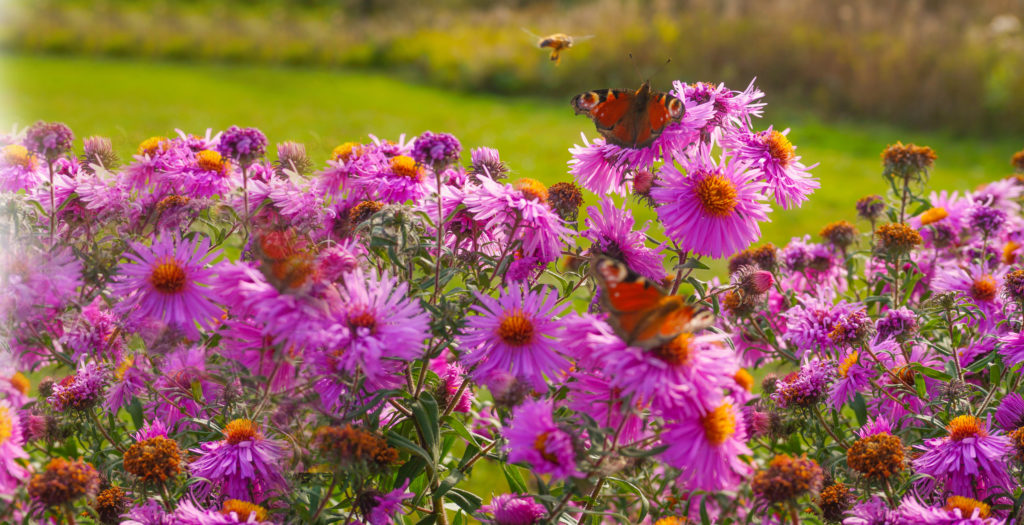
[[557, 42]]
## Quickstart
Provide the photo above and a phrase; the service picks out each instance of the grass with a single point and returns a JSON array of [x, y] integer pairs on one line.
[[131, 100]]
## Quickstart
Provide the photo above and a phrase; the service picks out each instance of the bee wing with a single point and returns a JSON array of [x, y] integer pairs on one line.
[[531, 33], [582, 38]]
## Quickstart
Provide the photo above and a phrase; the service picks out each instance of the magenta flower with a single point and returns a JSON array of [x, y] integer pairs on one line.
[[875, 426], [81, 390], [516, 333], [805, 387], [976, 284], [707, 449], [513, 509], [243, 145], [168, 281], [179, 371], [713, 209], [534, 438], [20, 169], [853, 377], [127, 382], [49, 139], [874, 511], [1010, 414], [610, 230], [968, 462], [391, 179], [188, 513], [732, 109], [244, 465], [436, 148], [773, 157], [913, 512], [382, 508], [593, 394], [1011, 347], [12, 474]]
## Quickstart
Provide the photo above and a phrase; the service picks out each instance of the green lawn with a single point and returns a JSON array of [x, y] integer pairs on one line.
[[132, 100]]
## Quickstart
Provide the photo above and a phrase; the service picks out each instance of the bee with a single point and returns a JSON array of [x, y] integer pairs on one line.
[[557, 42]]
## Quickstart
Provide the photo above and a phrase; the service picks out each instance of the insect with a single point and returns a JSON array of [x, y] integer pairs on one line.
[[557, 42], [631, 119], [641, 313]]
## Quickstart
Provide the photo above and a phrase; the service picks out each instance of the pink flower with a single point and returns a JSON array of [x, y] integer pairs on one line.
[[707, 449], [244, 465], [534, 438]]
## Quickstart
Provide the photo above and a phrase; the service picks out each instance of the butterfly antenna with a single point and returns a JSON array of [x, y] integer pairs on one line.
[[636, 68]]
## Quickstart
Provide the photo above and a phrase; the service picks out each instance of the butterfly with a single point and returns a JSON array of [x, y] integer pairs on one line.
[[557, 42], [631, 119], [641, 313]]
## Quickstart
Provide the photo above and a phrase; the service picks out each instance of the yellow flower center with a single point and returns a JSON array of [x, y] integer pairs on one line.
[[984, 288], [122, 368], [780, 148], [406, 167], [676, 351], [240, 430], [717, 195], [1010, 252], [151, 145], [719, 424], [672, 520], [744, 379], [541, 445], [6, 424], [967, 506], [347, 150], [209, 160], [844, 367], [516, 329], [532, 189], [933, 215], [20, 382], [962, 427], [244, 510], [168, 276], [18, 155]]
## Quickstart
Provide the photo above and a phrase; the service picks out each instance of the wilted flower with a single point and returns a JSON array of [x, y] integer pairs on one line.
[[63, 481], [834, 501], [155, 460], [840, 234], [81, 390], [787, 478], [878, 456], [871, 207], [897, 238], [905, 160], [110, 504]]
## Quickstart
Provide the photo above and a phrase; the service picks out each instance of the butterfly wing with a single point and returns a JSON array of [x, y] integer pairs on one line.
[[609, 109], [660, 110]]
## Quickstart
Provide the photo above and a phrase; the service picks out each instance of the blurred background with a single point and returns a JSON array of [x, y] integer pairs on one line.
[[849, 77]]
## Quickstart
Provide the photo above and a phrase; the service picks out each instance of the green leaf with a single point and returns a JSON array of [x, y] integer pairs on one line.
[[135, 410], [860, 409], [693, 263], [459, 427], [403, 443], [514, 478], [645, 504], [922, 392], [429, 520], [931, 372], [425, 411], [197, 391], [466, 500]]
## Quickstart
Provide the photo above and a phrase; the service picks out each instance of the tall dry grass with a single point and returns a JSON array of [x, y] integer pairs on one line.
[[944, 63]]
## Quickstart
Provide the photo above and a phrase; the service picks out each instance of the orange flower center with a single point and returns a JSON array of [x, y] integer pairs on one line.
[[346, 150], [406, 167], [168, 276], [240, 430], [151, 145], [244, 510], [676, 351], [20, 383], [18, 155], [532, 189], [967, 506], [984, 288], [363, 320], [719, 424], [516, 329], [717, 195], [209, 160], [6, 424], [541, 445], [933, 215], [780, 148], [962, 427], [844, 367], [744, 379]]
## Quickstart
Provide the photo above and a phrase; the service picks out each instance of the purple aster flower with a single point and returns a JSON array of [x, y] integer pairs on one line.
[[851, 328], [875, 426], [610, 230], [20, 169], [969, 461], [81, 390], [810, 323], [874, 511], [379, 324], [594, 168], [380, 509], [853, 377], [513, 216], [534, 438], [391, 179], [151, 429], [12, 474], [36, 285], [1011, 347], [985, 220], [513, 509], [188, 513], [452, 376], [592, 393], [1001, 194], [957, 511], [339, 259], [180, 370], [707, 449], [149, 513], [244, 465], [731, 108], [243, 145], [898, 323], [436, 149], [127, 382], [805, 387], [90, 335], [772, 156], [487, 162], [168, 281], [976, 284], [49, 139], [714, 209], [517, 333], [1010, 414]]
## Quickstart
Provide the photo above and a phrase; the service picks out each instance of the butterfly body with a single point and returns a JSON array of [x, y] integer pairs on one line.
[[639, 311], [630, 119]]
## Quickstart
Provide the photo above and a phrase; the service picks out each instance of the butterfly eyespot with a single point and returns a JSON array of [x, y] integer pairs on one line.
[[589, 100], [675, 107]]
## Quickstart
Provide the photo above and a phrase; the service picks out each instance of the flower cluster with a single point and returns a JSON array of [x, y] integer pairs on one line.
[[203, 336]]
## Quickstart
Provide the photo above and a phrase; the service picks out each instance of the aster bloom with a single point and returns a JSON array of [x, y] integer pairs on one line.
[[244, 465], [243, 145], [168, 281], [517, 333], [874, 511], [810, 323], [49, 139], [732, 109], [975, 284], [232, 512], [1011, 347], [610, 230], [714, 209], [20, 169], [180, 371], [898, 324], [62, 482], [871, 207], [12, 474], [534, 438], [958, 510], [773, 157], [81, 390], [392, 179], [380, 509], [852, 377], [592, 393], [1010, 413], [787, 478], [516, 215], [985, 220], [487, 162], [436, 149], [968, 461], [807, 386], [513, 509], [707, 449]]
